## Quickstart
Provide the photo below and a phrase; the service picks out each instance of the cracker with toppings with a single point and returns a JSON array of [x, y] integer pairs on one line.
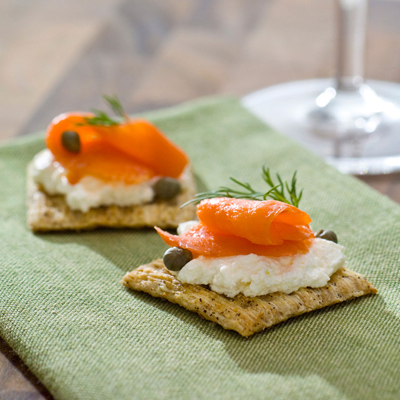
[[245, 315], [249, 263], [51, 213], [103, 171]]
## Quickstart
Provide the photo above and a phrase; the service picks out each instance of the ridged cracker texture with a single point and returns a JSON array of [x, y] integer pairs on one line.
[[245, 315], [51, 213]]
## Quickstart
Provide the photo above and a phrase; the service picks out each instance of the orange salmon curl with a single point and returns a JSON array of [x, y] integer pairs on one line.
[[131, 152], [230, 227]]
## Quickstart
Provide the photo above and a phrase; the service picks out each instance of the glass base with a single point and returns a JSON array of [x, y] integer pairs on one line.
[[303, 111]]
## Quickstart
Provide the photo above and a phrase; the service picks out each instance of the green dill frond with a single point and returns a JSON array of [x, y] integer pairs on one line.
[[101, 118], [280, 191]]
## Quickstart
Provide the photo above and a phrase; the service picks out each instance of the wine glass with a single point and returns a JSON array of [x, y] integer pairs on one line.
[[354, 125]]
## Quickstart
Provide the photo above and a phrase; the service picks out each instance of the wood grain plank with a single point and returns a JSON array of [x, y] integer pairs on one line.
[[116, 61], [16, 380], [198, 57], [39, 42]]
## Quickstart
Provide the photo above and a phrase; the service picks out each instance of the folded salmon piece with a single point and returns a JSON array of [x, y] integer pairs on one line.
[[261, 222], [201, 241], [231, 227], [131, 152]]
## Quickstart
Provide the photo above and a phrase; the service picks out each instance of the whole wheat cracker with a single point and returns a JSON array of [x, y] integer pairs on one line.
[[51, 213], [245, 315]]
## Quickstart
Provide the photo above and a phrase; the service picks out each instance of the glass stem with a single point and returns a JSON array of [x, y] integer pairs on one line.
[[352, 24]]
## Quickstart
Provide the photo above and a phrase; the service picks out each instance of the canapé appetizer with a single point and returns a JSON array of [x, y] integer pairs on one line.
[[103, 171], [248, 264]]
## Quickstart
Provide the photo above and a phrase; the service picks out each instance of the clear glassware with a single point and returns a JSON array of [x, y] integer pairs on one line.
[[353, 124]]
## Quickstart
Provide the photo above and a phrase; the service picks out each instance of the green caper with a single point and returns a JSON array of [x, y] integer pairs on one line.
[[166, 188], [71, 141], [327, 235], [176, 258]]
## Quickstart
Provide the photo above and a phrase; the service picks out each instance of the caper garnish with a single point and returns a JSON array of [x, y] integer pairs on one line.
[[327, 235], [176, 258], [71, 141], [166, 188]]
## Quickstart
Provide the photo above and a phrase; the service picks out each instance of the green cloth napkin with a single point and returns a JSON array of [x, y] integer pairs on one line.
[[64, 311]]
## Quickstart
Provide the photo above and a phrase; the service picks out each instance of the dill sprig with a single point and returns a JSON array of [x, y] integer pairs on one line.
[[116, 106], [103, 119], [281, 191], [278, 192], [100, 119]]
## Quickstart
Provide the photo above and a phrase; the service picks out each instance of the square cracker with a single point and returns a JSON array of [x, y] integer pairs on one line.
[[51, 213], [245, 315]]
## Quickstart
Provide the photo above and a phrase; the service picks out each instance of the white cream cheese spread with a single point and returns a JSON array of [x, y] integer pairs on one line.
[[255, 275], [89, 191]]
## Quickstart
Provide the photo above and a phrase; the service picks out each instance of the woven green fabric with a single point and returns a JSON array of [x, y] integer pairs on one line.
[[63, 309]]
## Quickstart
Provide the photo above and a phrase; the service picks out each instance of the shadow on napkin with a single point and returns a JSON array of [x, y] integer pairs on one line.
[[328, 343], [125, 248]]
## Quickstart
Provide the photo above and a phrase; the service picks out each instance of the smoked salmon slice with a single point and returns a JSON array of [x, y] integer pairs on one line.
[[268, 222], [231, 227], [201, 241], [131, 152]]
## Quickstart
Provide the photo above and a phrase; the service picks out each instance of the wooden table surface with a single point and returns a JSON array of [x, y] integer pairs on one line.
[[58, 56]]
